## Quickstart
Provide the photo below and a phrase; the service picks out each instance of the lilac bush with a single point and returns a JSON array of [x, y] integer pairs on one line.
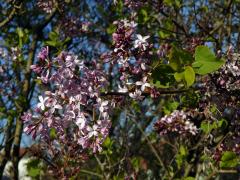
[[121, 89]]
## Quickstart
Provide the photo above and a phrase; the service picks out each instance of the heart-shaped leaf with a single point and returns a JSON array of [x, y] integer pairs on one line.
[[205, 61]]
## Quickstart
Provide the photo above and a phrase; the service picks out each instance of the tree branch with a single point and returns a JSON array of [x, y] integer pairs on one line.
[[176, 23], [162, 92], [11, 15]]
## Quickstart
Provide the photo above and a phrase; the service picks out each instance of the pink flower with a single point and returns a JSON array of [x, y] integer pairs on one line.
[[73, 96], [37, 69], [52, 104], [43, 54], [27, 116]]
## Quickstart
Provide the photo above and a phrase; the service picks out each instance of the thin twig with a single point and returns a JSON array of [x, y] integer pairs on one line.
[[101, 166], [91, 173], [150, 145], [10, 16]]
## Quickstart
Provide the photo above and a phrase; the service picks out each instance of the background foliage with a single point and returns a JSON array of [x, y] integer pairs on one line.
[[192, 64]]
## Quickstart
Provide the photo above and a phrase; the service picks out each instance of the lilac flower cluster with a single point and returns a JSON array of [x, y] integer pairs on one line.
[[232, 143], [132, 55], [73, 26], [8, 87], [222, 89], [229, 75], [74, 102], [177, 122], [134, 3], [46, 5]]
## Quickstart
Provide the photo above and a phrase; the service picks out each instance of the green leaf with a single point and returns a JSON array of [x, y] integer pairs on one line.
[[183, 150], [163, 34], [107, 142], [189, 178], [222, 123], [51, 43], [53, 35], [135, 161], [178, 58], [189, 76], [228, 155], [229, 160], [20, 37], [53, 133], [181, 156], [205, 61], [170, 107], [176, 3], [111, 29], [179, 76], [20, 32], [157, 84], [206, 127], [144, 14], [119, 7], [33, 168], [34, 172]]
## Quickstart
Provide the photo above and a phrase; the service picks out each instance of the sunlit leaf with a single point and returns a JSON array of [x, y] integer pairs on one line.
[[205, 61]]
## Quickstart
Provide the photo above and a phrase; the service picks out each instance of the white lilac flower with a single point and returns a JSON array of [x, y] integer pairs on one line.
[[136, 94], [141, 42], [128, 23], [190, 127], [92, 131], [81, 121], [72, 61], [123, 89], [41, 104], [143, 84], [103, 106]]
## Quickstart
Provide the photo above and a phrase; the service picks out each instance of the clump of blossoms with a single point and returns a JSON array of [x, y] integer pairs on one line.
[[132, 54], [231, 143], [222, 90], [8, 88], [73, 26], [228, 77], [75, 104], [133, 4], [46, 5], [177, 122]]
